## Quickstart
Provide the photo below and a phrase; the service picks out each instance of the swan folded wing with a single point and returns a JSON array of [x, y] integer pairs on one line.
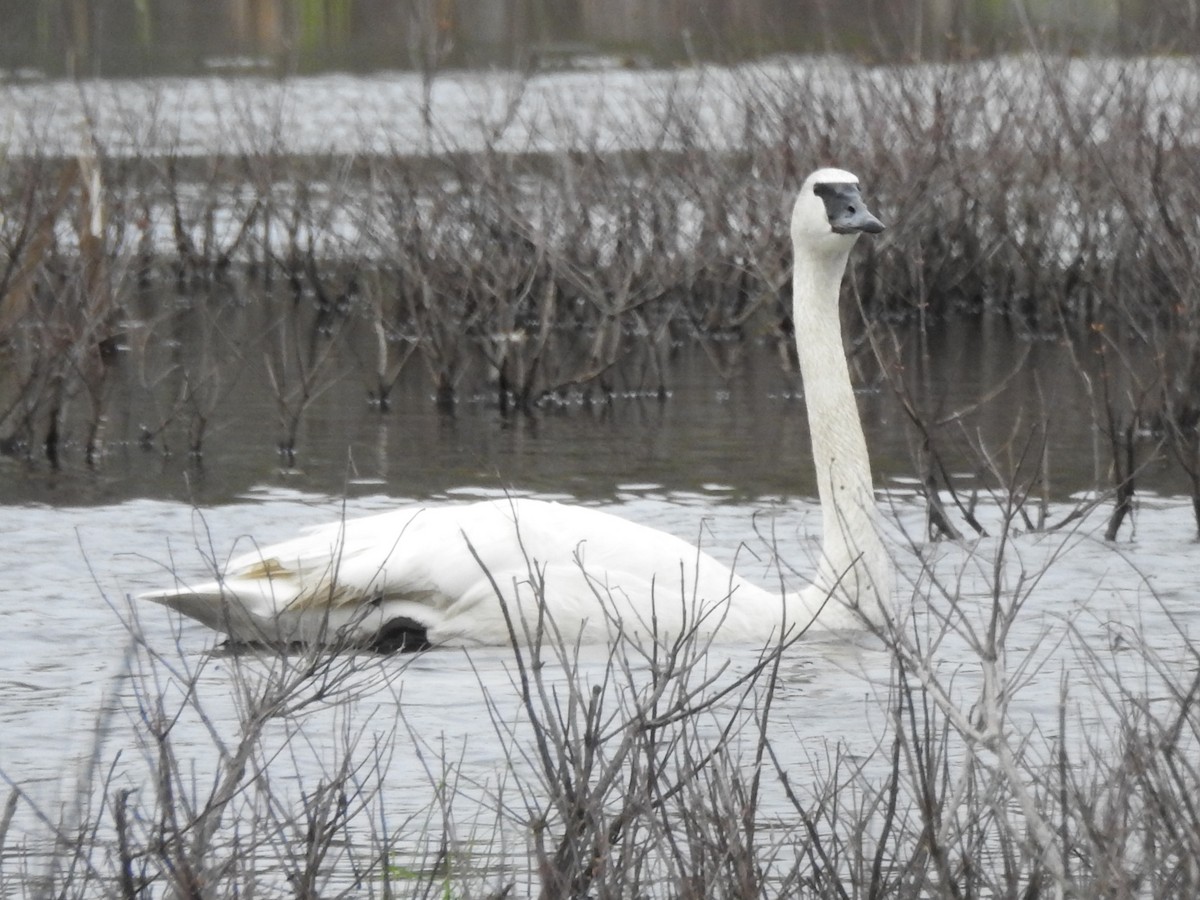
[[446, 570], [569, 602]]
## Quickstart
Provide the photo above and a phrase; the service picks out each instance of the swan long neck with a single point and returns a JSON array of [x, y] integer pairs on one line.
[[854, 565]]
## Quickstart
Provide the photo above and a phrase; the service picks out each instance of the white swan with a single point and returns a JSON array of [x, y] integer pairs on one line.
[[434, 576]]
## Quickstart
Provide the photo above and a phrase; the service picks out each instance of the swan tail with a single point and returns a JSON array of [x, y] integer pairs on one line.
[[209, 604], [250, 612]]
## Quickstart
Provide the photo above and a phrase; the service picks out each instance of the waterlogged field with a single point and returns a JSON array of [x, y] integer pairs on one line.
[[233, 308]]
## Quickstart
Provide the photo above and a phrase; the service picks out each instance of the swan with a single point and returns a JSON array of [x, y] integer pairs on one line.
[[494, 571]]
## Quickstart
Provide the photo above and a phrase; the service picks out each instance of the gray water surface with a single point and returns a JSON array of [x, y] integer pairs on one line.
[[78, 680]]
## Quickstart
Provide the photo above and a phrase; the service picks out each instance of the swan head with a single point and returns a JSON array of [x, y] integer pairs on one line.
[[831, 212]]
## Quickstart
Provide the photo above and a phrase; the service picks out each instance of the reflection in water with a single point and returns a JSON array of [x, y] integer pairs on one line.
[[742, 427]]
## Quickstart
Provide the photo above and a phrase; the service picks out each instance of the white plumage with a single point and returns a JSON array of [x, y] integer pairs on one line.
[[489, 572]]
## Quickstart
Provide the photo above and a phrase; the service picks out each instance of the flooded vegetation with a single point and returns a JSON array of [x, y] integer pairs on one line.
[[533, 245], [233, 308]]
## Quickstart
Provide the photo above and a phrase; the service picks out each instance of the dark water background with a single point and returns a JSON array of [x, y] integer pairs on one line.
[[737, 429], [144, 37]]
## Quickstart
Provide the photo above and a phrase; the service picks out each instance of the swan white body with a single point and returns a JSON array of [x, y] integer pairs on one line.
[[490, 572]]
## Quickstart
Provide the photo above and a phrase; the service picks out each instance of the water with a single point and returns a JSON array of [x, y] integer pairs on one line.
[[510, 111], [725, 419], [78, 683]]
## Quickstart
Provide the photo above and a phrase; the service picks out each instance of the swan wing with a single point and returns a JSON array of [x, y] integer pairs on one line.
[[446, 570]]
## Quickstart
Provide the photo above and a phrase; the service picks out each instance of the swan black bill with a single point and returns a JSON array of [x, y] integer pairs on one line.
[[846, 209]]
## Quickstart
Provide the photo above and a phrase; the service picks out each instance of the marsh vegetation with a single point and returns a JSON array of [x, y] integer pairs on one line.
[[528, 251]]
